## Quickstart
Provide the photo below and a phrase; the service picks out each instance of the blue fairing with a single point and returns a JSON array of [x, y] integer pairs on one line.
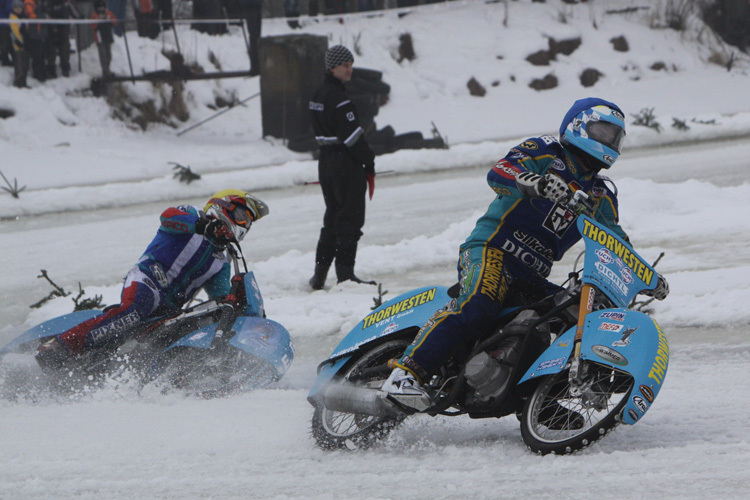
[[260, 337], [26, 341], [411, 309], [629, 341], [254, 306], [265, 339], [612, 265]]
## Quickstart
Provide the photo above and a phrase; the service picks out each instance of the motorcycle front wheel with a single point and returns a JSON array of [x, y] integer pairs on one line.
[[334, 430], [560, 419]]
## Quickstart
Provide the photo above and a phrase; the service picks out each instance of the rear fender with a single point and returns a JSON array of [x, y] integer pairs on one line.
[[629, 341], [407, 311], [29, 340]]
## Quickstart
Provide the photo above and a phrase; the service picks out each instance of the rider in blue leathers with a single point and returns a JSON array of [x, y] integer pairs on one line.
[[506, 259], [187, 254]]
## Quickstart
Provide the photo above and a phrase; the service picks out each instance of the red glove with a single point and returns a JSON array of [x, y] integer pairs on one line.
[[370, 183]]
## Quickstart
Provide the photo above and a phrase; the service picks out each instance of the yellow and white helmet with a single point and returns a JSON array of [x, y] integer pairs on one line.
[[238, 209]]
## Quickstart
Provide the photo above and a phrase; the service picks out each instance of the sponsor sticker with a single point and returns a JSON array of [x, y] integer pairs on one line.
[[604, 255], [550, 363], [610, 327], [559, 220], [640, 404], [613, 316], [609, 354], [647, 393]]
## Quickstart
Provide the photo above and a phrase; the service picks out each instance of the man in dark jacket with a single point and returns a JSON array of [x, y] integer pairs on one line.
[[58, 43], [345, 167]]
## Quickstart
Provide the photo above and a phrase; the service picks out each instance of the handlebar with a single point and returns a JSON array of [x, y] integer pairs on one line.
[[580, 203]]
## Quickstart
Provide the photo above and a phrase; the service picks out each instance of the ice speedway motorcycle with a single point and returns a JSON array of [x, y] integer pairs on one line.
[[603, 365], [212, 348]]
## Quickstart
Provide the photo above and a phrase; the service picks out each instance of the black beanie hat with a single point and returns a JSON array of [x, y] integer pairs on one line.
[[336, 55]]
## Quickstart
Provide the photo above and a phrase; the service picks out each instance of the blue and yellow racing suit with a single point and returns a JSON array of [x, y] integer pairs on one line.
[[506, 259]]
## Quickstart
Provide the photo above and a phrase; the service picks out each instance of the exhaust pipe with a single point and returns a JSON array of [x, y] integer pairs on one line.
[[348, 398]]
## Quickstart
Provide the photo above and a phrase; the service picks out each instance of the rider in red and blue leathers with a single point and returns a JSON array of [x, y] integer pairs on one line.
[[506, 259], [187, 254]]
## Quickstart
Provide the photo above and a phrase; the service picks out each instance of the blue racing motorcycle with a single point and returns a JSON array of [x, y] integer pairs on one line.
[[213, 348], [571, 367]]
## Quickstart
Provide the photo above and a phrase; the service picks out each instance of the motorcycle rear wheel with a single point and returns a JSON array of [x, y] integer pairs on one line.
[[335, 430], [554, 420]]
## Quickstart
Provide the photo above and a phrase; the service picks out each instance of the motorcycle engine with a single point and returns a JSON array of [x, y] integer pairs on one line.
[[489, 373]]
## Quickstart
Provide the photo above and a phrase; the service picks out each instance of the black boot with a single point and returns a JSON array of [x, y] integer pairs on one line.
[[318, 281], [346, 254], [346, 273], [324, 255]]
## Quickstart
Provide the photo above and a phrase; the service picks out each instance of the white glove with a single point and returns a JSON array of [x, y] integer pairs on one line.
[[661, 291], [534, 185]]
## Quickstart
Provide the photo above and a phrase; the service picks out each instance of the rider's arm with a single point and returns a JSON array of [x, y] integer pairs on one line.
[[179, 220], [523, 158]]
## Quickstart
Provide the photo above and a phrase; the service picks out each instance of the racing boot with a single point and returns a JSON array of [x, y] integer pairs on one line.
[[557, 417], [404, 390], [53, 356]]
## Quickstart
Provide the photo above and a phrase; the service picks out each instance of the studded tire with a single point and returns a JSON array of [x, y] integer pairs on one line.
[[554, 420]]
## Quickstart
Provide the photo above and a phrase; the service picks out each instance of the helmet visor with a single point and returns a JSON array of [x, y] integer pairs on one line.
[[606, 133]]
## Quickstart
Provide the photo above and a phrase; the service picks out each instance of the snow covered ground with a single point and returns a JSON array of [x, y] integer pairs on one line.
[[95, 189]]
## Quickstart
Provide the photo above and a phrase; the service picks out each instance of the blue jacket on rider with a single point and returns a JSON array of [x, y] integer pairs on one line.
[[176, 265], [182, 262], [537, 232], [506, 259]]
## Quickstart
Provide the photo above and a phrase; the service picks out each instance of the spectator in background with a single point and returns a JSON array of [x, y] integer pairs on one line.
[[6, 48], [103, 34], [36, 38], [59, 36], [146, 14], [252, 11], [119, 9], [346, 166], [20, 57], [291, 11]]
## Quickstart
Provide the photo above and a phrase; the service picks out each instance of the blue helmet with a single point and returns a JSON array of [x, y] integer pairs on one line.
[[594, 128]]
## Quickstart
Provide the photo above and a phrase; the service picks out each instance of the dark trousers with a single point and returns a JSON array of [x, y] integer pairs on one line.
[[36, 48], [105, 57], [343, 184], [58, 45], [21, 62], [6, 46], [490, 281]]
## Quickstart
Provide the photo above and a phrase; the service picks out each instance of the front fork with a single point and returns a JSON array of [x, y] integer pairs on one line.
[[577, 373]]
